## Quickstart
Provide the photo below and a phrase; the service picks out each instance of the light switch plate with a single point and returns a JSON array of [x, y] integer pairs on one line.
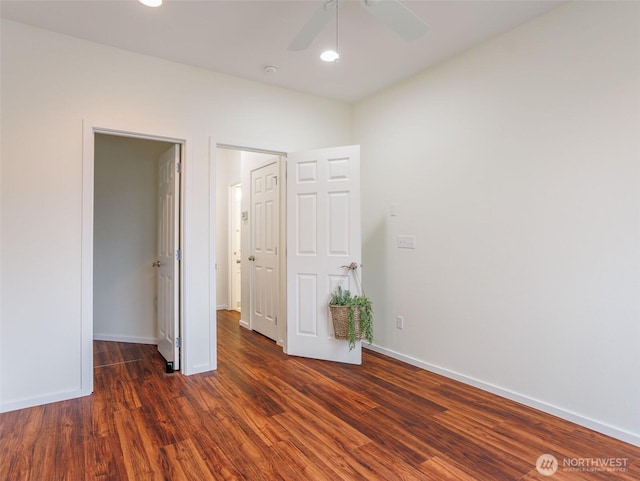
[[406, 241]]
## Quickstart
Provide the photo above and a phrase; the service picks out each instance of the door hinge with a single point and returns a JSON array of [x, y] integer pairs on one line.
[[178, 255], [275, 179], [179, 167], [178, 342]]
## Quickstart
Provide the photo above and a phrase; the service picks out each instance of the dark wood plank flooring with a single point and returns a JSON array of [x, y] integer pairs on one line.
[[266, 416]]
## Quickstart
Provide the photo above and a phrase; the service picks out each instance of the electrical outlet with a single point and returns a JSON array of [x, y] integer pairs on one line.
[[400, 322]]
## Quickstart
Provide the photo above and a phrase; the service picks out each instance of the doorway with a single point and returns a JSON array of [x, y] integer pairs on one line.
[[241, 247], [318, 221], [127, 243]]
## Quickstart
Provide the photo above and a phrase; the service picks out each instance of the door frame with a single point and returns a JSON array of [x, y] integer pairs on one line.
[[89, 130], [282, 266], [283, 287]]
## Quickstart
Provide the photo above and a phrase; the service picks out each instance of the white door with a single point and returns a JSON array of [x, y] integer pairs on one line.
[[264, 234], [168, 263], [323, 234], [235, 215]]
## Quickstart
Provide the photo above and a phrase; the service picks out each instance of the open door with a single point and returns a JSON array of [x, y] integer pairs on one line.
[[323, 235], [168, 263], [264, 234]]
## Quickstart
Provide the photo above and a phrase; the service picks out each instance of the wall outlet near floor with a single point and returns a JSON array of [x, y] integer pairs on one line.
[[400, 322]]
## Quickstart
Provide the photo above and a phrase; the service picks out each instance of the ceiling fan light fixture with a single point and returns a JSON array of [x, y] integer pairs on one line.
[[151, 3], [330, 56]]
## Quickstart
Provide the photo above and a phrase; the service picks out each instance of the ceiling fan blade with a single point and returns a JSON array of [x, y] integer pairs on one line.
[[314, 26], [397, 17]]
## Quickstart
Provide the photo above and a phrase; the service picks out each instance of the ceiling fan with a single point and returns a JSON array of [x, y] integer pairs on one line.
[[391, 13]]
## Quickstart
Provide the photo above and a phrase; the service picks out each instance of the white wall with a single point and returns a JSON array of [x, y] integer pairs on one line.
[[227, 174], [125, 238], [516, 165], [50, 84]]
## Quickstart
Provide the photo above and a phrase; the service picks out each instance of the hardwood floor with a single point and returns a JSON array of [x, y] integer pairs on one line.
[[266, 416]]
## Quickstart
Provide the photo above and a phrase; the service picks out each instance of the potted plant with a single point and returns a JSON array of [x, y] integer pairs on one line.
[[352, 317]]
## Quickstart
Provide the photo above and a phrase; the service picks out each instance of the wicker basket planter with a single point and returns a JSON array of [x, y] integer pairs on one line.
[[340, 318], [352, 317]]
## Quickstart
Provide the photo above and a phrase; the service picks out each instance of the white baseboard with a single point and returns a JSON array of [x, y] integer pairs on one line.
[[600, 427], [38, 401], [136, 340], [222, 307], [244, 324]]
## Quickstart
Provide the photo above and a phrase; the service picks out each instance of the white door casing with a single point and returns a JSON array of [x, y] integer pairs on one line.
[[168, 263], [323, 235], [264, 234], [194, 357]]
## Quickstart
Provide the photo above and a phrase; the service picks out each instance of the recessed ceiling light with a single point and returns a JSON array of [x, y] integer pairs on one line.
[[151, 3], [329, 56]]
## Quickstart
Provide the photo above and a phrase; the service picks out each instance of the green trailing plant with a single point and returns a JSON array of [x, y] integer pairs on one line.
[[363, 304]]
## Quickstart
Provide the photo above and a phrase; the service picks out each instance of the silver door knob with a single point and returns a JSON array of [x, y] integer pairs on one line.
[[252, 258]]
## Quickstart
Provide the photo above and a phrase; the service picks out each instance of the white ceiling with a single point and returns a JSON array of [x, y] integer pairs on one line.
[[241, 37]]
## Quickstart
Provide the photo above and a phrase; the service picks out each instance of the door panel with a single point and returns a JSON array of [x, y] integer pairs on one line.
[[264, 232], [323, 234], [168, 264]]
